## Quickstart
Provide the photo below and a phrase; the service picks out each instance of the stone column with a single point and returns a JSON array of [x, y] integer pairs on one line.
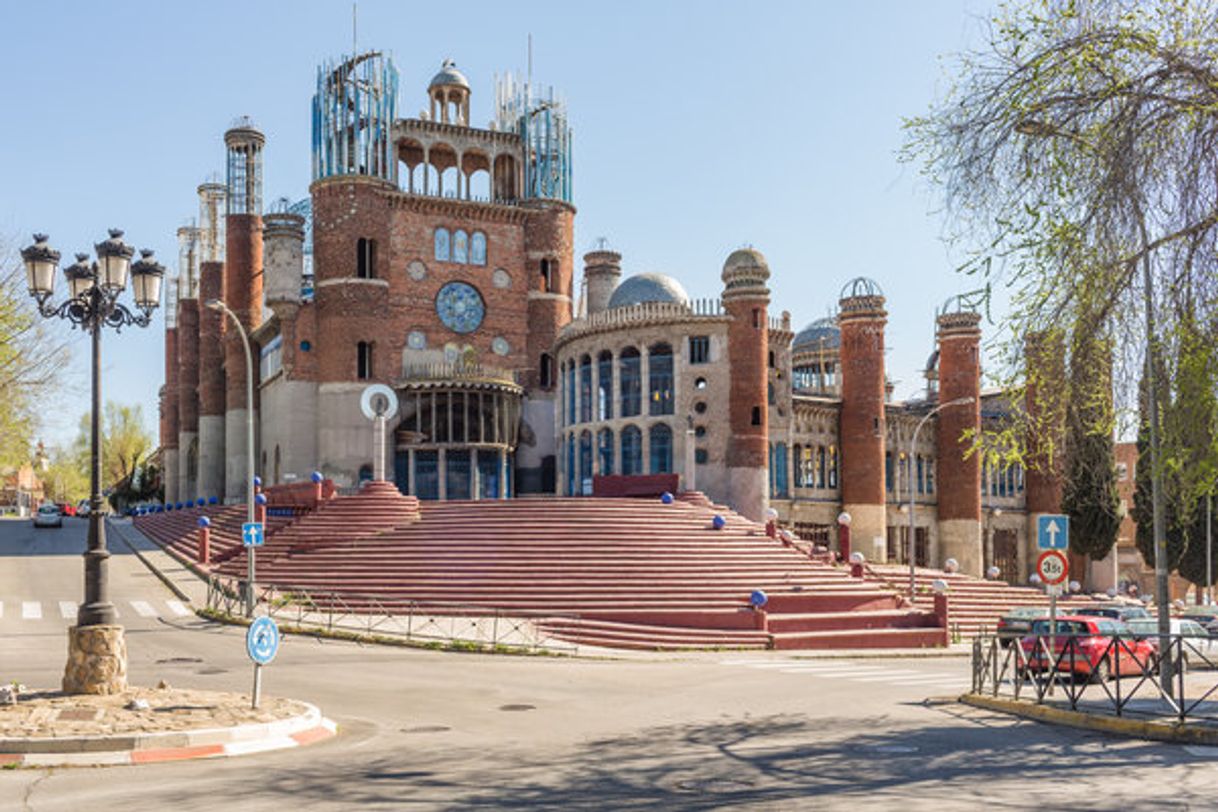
[[97, 660]]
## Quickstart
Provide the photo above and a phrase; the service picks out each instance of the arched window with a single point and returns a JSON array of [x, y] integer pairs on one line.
[[921, 475], [365, 258], [441, 243], [365, 473], [780, 470], [363, 360], [632, 450], [821, 480], [604, 386], [571, 391], [545, 372], [546, 281], [630, 381], [832, 466], [797, 454], [604, 451], [659, 385], [660, 437], [571, 465], [460, 246], [477, 249], [585, 462], [930, 475], [585, 389], [277, 471]]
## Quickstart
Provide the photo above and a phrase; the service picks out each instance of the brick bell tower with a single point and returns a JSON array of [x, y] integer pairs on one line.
[[211, 336], [862, 319], [242, 293], [746, 299], [959, 473], [188, 362]]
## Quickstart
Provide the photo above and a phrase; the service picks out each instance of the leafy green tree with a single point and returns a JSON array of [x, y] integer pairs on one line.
[[1089, 495], [125, 442], [1142, 510]]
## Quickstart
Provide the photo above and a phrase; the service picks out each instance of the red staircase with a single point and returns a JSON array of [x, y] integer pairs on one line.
[[178, 529], [976, 604], [622, 573]]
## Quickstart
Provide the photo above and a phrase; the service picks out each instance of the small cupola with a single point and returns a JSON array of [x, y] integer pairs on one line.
[[449, 94]]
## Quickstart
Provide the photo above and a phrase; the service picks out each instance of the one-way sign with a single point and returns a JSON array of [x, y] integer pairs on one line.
[[1052, 532], [251, 534]]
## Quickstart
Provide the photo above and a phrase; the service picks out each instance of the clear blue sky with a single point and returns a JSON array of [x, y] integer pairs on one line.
[[699, 127]]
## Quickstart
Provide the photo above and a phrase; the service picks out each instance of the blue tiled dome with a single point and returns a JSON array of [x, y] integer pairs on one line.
[[820, 333], [648, 287]]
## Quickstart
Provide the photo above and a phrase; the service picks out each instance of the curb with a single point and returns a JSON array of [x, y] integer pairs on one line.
[[162, 577], [151, 748], [1175, 732]]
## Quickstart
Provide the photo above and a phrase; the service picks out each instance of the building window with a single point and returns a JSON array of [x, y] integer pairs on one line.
[[700, 407], [757, 318], [604, 386], [832, 466], [780, 471], [570, 465], [460, 247], [756, 415], [821, 467], [699, 349], [477, 249], [769, 393], [545, 372], [930, 475], [441, 245], [661, 449], [630, 381], [585, 463], [700, 432], [604, 451], [797, 452], [549, 275], [700, 456], [365, 258], [921, 475], [365, 474], [770, 359], [363, 360], [585, 392], [659, 372], [888, 472], [632, 451], [427, 474], [571, 391]]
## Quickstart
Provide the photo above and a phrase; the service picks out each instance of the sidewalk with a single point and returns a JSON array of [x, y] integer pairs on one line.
[[49, 728]]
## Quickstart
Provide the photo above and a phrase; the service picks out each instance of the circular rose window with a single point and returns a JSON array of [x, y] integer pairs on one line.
[[460, 307]]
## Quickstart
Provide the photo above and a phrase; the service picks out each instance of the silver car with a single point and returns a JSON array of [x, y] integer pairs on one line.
[[48, 516]]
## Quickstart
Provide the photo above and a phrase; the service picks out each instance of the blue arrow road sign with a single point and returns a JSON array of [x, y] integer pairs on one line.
[[1052, 532], [262, 640], [251, 534]]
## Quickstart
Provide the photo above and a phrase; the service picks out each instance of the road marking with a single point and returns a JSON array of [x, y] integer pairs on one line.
[[1, 608], [1204, 752], [67, 609], [890, 675], [177, 608], [31, 610], [143, 608], [930, 680], [833, 672]]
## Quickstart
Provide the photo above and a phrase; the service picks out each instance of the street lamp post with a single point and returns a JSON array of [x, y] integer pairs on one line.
[[219, 306], [97, 654], [913, 446]]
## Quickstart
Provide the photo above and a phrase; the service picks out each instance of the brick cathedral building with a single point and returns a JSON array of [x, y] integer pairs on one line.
[[436, 258]]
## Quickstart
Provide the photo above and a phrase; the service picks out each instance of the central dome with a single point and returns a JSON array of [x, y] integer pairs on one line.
[[449, 76], [648, 287], [820, 334]]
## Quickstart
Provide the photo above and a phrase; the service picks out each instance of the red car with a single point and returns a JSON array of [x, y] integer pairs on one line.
[[1093, 653], [66, 509]]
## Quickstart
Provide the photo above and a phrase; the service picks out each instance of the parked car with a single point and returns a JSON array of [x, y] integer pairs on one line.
[[1199, 649], [66, 508], [1092, 654], [1116, 611], [83, 509], [48, 516], [1017, 622]]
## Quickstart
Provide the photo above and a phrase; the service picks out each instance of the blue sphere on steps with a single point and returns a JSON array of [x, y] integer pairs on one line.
[[260, 499], [758, 599], [666, 498], [718, 522], [204, 521]]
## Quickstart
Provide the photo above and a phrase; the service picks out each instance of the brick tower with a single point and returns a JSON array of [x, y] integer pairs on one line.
[[169, 396], [746, 298], [242, 292], [211, 336], [861, 320], [1046, 367], [602, 272], [188, 362], [959, 473]]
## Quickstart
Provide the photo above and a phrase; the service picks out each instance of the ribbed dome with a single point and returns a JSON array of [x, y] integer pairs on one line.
[[822, 333], [648, 287], [746, 261], [449, 76]]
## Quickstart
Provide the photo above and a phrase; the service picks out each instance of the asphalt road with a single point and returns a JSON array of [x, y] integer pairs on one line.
[[432, 730]]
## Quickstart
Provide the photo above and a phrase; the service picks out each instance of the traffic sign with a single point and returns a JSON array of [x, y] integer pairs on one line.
[[251, 534], [1052, 567], [1052, 531], [262, 640]]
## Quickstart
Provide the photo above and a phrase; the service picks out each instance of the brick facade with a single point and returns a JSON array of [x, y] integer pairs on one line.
[[211, 336], [862, 426], [959, 473]]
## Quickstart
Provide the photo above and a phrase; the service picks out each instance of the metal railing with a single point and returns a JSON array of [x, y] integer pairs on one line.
[[1118, 674], [425, 622]]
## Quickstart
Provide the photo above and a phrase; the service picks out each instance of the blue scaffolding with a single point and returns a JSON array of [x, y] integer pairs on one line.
[[353, 113]]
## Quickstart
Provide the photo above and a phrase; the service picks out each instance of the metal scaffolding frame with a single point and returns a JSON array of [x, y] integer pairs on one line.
[[353, 113], [540, 119]]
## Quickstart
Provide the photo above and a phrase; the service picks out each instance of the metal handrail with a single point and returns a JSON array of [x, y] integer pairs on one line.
[[429, 622], [1030, 664]]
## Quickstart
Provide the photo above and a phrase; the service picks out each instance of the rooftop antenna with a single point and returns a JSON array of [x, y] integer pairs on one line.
[[354, 48], [530, 60]]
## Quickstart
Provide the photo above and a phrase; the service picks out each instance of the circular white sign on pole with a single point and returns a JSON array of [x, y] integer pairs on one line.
[[378, 400], [1052, 567]]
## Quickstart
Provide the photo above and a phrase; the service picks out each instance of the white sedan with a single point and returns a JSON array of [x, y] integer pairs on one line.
[[48, 516], [1200, 650]]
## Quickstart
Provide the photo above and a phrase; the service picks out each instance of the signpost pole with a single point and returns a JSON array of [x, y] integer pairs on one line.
[[257, 685], [1052, 636]]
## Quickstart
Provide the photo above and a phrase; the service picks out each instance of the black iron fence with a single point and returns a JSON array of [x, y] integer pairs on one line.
[[446, 624], [1171, 675]]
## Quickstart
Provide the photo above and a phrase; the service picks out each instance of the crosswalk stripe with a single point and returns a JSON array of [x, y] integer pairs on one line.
[[143, 608], [1, 608], [177, 608], [890, 675], [31, 610], [67, 610], [925, 681], [833, 672]]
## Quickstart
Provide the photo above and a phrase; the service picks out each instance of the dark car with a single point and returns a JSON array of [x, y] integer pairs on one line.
[[1114, 611], [1016, 623]]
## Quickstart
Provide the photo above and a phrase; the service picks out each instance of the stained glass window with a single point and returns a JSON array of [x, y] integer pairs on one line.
[[441, 239], [460, 307]]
